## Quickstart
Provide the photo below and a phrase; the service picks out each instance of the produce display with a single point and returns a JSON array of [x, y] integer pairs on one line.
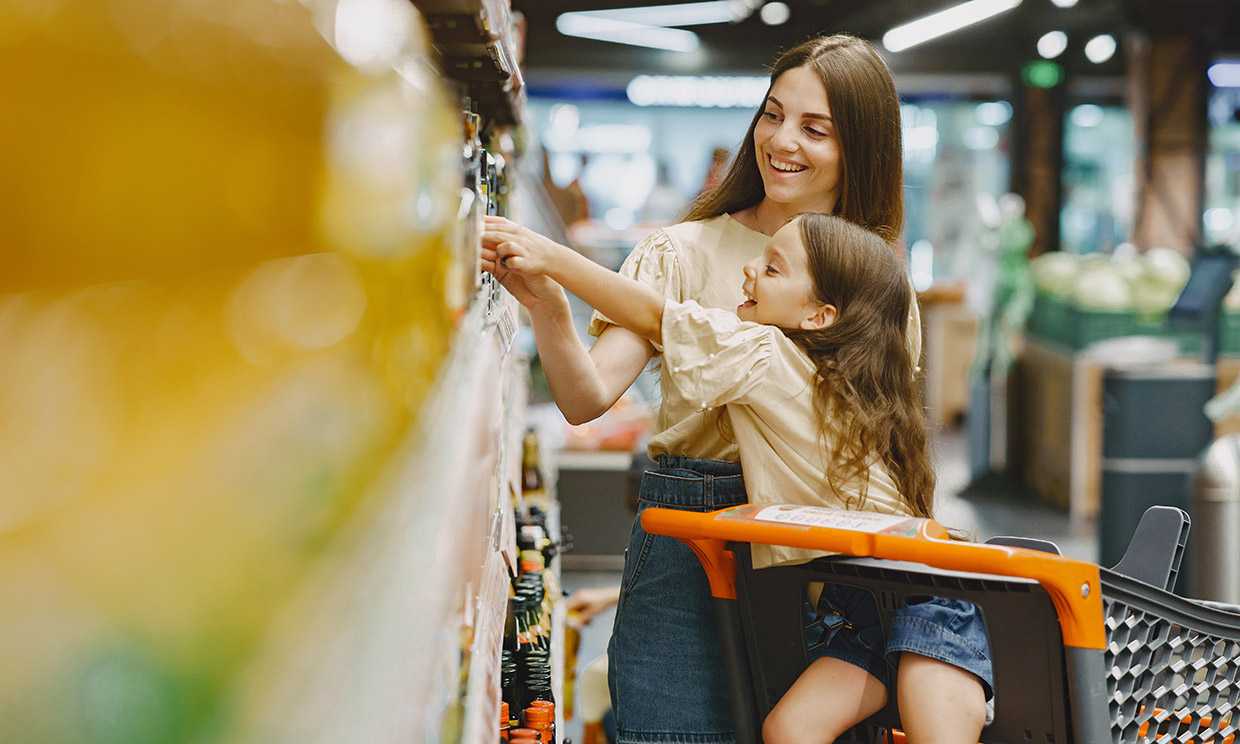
[[1146, 283], [1082, 299]]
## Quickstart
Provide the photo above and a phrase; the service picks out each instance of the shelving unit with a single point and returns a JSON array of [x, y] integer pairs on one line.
[[478, 48], [264, 419]]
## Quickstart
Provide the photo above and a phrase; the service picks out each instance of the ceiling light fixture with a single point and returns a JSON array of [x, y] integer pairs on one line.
[[623, 32], [682, 14], [775, 14], [1100, 48], [704, 92], [1052, 44], [944, 22], [1063, 3], [1224, 74], [654, 25]]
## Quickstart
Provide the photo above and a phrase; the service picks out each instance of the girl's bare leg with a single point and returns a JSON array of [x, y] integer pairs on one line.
[[939, 703], [829, 697]]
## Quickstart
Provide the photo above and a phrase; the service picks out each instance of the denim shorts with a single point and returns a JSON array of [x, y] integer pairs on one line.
[[665, 666], [848, 627]]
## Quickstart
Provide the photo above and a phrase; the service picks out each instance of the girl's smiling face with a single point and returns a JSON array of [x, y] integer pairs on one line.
[[794, 140], [778, 288]]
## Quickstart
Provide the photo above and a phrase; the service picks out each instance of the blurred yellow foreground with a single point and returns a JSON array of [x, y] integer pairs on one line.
[[226, 286]]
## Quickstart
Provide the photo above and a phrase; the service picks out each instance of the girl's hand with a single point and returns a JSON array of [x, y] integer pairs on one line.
[[531, 290], [518, 248], [501, 240]]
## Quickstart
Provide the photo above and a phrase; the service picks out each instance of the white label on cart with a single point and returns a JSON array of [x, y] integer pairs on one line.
[[817, 516]]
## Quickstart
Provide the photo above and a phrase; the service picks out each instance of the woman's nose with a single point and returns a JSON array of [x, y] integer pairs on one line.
[[784, 137]]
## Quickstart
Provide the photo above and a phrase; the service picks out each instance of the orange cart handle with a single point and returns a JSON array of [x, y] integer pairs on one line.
[[1074, 586]]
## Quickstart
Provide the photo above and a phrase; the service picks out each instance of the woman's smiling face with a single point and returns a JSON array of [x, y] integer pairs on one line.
[[794, 140]]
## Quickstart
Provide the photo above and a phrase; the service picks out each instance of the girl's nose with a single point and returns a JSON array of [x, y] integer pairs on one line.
[[749, 270]]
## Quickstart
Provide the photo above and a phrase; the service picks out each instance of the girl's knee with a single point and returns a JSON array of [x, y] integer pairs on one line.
[[784, 726], [775, 730]]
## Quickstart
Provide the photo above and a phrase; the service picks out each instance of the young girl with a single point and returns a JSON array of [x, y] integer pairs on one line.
[[815, 373]]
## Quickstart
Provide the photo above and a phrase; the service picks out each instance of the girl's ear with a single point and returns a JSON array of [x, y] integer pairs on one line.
[[825, 317]]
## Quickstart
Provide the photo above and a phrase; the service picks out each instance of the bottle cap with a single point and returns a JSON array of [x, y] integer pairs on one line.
[[535, 714]]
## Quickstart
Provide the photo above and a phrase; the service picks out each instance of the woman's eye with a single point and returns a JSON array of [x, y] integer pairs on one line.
[[815, 132], [771, 115]]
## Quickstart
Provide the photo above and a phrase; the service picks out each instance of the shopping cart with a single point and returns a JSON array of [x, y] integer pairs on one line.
[[1080, 653]]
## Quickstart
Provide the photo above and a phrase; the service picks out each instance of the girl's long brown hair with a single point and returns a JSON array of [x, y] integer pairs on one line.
[[865, 386], [865, 109]]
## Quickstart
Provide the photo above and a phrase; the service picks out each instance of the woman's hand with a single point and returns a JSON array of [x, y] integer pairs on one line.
[[584, 604]]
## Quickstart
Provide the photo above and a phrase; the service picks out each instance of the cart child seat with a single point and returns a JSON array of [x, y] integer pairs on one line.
[[1080, 653]]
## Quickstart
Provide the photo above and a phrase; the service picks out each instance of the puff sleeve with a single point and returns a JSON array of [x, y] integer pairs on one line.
[[653, 262], [712, 356]]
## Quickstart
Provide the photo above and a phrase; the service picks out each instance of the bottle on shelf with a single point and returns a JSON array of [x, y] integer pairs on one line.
[[541, 718], [532, 486]]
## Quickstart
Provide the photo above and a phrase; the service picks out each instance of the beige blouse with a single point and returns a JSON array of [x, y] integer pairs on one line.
[[714, 359], [700, 261]]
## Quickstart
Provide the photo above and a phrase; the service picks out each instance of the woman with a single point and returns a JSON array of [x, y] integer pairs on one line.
[[826, 139]]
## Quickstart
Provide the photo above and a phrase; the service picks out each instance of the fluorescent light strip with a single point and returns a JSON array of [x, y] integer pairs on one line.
[[944, 22], [704, 92], [653, 25], [588, 26], [683, 14]]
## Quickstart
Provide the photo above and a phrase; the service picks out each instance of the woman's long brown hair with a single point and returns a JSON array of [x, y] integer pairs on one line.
[[865, 109], [865, 388]]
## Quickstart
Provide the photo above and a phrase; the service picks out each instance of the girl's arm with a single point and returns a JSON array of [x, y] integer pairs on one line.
[[585, 383], [629, 303]]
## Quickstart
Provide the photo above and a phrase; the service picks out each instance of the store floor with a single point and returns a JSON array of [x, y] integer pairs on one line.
[[999, 509]]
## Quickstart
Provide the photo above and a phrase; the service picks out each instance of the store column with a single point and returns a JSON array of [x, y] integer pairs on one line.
[[1037, 161], [1167, 99]]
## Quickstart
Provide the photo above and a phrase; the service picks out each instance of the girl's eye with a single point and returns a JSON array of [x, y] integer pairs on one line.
[[770, 269]]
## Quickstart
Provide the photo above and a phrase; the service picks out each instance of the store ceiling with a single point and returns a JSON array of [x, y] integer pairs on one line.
[[1000, 45]]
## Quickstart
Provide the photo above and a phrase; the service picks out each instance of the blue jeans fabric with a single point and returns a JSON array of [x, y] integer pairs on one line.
[[665, 667], [949, 630]]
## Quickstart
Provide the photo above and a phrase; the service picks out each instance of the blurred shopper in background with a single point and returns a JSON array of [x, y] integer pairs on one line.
[[826, 139], [665, 203], [718, 166], [570, 200]]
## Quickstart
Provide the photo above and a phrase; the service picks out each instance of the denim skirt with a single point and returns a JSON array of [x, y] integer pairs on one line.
[[846, 625], [665, 666]]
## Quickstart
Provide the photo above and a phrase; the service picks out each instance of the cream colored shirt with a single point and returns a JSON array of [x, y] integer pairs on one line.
[[701, 261], [714, 359]]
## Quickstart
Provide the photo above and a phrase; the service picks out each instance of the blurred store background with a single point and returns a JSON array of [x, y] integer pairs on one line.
[[272, 452]]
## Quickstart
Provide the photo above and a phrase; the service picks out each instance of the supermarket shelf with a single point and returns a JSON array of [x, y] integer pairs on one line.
[[479, 50], [412, 607]]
